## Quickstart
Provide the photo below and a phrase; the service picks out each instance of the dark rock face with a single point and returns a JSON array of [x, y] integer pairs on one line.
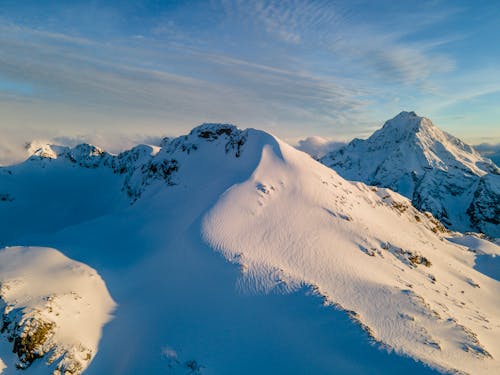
[[31, 334], [484, 209]]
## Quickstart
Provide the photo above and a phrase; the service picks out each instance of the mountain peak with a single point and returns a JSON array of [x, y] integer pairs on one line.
[[434, 169], [408, 121], [407, 114], [45, 150], [212, 131]]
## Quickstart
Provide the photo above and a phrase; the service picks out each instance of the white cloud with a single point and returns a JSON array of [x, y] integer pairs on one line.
[[317, 146]]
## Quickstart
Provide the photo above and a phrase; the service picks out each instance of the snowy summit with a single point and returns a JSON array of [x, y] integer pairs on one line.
[[436, 171]]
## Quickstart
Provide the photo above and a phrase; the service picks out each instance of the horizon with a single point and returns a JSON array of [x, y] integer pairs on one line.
[[314, 145], [337, 70]]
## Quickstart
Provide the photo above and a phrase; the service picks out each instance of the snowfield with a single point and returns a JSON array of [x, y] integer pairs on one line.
[[304, 254]]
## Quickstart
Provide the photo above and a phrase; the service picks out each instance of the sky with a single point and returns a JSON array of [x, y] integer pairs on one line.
[[121, 71]]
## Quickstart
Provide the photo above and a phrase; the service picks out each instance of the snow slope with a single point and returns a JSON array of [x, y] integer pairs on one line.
[[296, 221], [291, 227], [437, 171], [46, 193], [495, 157], [487, 260], [52, 307]]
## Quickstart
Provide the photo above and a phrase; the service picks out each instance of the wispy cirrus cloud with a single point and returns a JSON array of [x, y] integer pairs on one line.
[[382, 50], [292, 67], [292, 21], [107, 77]]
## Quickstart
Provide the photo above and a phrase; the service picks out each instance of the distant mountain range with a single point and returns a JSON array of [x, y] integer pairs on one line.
[[490, 151], [438, 172], [227, 251]]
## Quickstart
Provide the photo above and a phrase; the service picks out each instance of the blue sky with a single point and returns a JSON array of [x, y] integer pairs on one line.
[[336, 69]]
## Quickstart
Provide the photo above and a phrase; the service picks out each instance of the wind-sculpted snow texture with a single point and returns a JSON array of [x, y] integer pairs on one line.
[[436, 171], [302, 243], [365, 249]]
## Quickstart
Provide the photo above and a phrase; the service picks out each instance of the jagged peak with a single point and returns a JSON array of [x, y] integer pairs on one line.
[[165, 141], [86, 150], [408, 121], [87, 155], [411, 155], [212, 131], [417, 135], [407, 114], [45, 150]]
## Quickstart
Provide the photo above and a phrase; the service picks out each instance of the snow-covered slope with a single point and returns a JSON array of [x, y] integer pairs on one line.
[[437, 171], [52, 308], [288, 225], [495, 157]]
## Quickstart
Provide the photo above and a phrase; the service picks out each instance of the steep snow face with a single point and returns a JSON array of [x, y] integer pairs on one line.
[[295, 222], [45, 194], [495, 157], [437, 171], [291, 225], [53, 310]]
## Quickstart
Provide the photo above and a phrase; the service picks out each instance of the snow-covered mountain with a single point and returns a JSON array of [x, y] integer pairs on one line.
[[436, 171], [228, 251]]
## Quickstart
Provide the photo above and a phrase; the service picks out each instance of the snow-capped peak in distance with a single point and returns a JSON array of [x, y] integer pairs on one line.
[[149, 221], [45, 150], [78, 153], [436, 170], [438, 149], [441, 150]]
